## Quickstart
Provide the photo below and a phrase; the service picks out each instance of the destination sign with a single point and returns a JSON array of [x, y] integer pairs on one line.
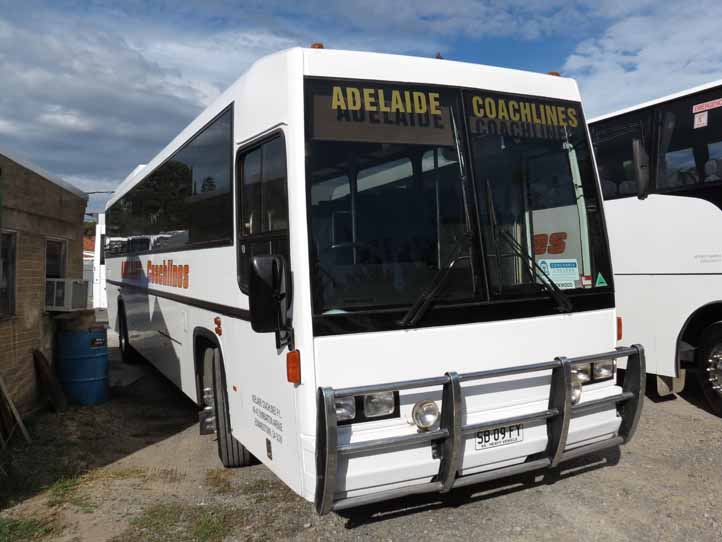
[[519, 118], [381, 114]]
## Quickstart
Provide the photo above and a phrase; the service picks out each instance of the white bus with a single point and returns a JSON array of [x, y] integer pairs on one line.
[[660, 166], [348, 276]]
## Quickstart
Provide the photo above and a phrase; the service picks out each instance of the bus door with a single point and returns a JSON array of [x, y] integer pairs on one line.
[[263, 413]]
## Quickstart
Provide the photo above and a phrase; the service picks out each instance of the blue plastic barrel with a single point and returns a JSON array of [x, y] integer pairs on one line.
[[82, 365]]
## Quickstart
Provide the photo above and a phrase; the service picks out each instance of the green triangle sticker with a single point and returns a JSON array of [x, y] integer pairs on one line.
[[600, 281]]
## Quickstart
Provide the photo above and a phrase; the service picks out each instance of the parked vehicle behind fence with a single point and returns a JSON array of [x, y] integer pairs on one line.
[[338, 259]]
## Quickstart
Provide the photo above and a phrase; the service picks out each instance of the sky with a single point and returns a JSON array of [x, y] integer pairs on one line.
[[89, 89]]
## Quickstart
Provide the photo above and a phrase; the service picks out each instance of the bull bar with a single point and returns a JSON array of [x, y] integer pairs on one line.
[[451, 433]]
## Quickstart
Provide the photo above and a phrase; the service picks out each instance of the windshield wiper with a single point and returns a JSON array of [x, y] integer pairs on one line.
[[564, 303], [438, 283]]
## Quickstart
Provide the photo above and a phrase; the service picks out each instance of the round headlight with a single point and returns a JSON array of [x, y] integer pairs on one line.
[[576, 390], [425, 414]]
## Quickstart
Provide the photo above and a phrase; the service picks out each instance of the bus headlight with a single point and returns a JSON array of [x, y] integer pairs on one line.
[[345, 408], [576, 389], [583, 373], [425, 414], [379, 404], [604, 370]]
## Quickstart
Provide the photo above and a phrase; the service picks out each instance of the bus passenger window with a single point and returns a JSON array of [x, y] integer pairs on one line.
[[690, 153], [613, 140], [263, 217]]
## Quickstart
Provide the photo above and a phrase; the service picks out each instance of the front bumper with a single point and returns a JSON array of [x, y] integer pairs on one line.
[[450, 436]]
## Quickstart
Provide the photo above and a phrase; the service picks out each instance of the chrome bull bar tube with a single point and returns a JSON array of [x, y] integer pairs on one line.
[[450, 436]]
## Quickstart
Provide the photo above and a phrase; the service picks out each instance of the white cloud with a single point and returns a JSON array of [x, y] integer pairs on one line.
[[90, 93], [648, 55]]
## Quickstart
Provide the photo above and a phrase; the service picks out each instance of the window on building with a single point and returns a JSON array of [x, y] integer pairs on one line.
[[263, 227], [7, 274], [55, 259]]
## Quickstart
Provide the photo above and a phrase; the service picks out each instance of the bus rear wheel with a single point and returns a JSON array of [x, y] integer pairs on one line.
[[709, 367], [231, 452]]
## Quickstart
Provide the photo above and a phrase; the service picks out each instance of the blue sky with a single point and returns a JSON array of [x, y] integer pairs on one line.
[[92, 88]]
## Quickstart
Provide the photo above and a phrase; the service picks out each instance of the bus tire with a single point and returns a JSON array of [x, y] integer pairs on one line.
[[709, 366], [231, 452], [127, 354]]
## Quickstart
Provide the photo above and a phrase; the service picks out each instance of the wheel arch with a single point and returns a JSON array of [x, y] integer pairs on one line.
[[202, 338], [694, 326]]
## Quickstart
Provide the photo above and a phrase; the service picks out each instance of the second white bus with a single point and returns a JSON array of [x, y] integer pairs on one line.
[[660, 166]]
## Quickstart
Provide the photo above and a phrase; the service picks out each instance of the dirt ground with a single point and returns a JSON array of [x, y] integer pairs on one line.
[[135, 469]]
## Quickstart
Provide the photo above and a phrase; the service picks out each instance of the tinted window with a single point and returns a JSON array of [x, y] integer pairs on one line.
[[538, 199], [385, 195], [263, 227], [690, 142], [613, 140], [185, 202]]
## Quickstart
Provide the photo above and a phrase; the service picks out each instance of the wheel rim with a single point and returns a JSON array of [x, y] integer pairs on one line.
[[714, 369]]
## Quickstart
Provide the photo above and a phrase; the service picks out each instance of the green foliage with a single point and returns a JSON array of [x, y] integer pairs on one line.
[[22, 530]]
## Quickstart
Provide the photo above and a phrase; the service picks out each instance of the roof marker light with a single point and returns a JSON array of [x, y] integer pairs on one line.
[[317, 45]]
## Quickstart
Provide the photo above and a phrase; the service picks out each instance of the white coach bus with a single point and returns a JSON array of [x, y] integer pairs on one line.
[[660, 166], [338, 258]]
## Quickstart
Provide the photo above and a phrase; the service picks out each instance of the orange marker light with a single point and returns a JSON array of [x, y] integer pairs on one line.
[[217, 322], [317, 45], [556, 74], [619, 328], [293, 367]]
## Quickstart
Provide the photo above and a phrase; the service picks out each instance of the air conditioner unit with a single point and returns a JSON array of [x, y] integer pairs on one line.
[[65, 295]]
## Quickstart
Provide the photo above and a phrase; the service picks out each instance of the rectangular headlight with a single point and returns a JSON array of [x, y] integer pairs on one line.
[[345, 408], [603, 370], [582, 373], [379, 404]]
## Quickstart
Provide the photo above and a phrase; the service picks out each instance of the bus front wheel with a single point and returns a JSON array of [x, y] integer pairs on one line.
[[709, 366], [231, 452]]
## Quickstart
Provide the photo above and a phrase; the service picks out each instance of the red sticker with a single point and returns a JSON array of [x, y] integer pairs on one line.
[[706, 106]]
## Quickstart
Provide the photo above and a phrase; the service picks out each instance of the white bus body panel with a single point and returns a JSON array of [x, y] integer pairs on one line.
[[375, 358], [667, 261], [100, 293]]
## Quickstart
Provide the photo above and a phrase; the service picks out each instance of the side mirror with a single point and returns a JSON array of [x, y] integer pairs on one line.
[[268, 296], [641, 168]]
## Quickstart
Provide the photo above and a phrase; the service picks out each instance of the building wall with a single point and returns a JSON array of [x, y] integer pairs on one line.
[[36, 210]]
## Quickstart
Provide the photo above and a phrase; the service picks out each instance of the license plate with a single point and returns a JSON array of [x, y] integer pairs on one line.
[[499, 436]]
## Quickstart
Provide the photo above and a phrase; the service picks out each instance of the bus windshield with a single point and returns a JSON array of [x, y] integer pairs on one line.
[[392, 203], [537, 193]]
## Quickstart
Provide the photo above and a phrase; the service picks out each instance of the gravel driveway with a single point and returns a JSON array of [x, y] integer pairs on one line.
[[136, 469]]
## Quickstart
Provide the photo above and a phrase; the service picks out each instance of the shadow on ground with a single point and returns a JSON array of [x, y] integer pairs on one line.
[[69, 444], [409, 506]]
